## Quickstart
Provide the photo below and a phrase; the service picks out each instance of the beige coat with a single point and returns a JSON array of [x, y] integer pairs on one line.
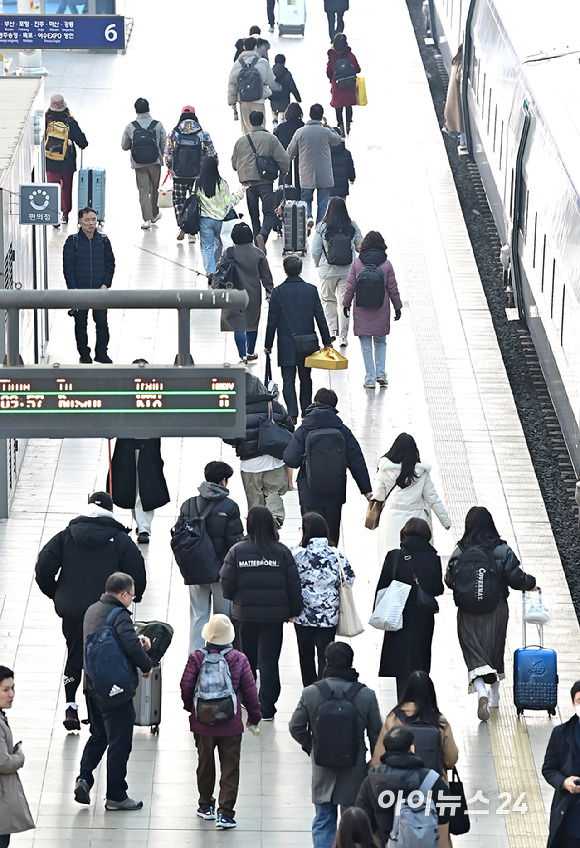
[[449, 748], [244, 159], [15, 814], [264, 69], [453, 106]]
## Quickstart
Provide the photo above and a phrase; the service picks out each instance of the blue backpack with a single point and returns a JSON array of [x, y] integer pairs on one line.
[[107, 665]]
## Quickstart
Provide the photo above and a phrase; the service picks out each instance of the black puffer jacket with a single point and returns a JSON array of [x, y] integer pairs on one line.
[[319, 416], [83, 555], [507, 566], [342, 170], [223, 525], [257, 399], [96, 616], [263, 587], [88, 263], [75, 134], [280, 100]]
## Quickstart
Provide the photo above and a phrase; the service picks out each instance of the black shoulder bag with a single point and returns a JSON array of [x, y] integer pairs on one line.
[[267, 166]]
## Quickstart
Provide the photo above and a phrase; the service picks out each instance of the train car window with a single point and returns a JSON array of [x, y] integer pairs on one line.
[[475, 72], [535, 240], [483, 94], [494, 126], [553, 292], [562, 316], [512, 196], [488, 111], [543, 264], [523, 209], [501, 147]]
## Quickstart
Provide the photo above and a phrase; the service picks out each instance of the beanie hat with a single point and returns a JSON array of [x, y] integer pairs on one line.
[[188, 109], [219, 630], [57, 103], [102, 499]]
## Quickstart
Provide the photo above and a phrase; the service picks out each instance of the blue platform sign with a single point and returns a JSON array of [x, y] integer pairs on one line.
[[64, 32]]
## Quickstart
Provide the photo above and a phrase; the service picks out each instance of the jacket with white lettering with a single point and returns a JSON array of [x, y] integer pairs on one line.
[[264, 585]]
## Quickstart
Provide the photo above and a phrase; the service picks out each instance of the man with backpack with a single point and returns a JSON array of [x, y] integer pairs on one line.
[[221, 528], [324, 448], [330, 723], [216, 682], [249, 83], [112, 654], [146, 138], [384, 793]]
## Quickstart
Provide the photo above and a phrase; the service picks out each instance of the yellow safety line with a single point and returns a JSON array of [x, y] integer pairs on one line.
[[516, 773]]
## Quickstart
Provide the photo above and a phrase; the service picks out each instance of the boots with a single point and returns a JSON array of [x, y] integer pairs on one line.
[[341, 130], [348, 127]]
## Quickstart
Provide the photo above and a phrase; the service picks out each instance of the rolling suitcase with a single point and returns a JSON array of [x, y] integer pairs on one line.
[[294, 227], [535, 673], [92, 190], [291, 17], [281, 195], [147, 700]]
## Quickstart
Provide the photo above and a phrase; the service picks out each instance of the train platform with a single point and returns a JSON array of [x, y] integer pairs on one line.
[[447, 386]]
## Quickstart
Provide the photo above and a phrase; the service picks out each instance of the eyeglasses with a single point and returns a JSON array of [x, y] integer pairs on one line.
[[131, 595]]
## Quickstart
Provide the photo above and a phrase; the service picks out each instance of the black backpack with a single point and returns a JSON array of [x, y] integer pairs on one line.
[[186, 155], [225, 275], [144, 147], [370, 288], [250, 85], [336, 728], [344, 73], [339, 250], [427, 741], [192, 546], [190, 214], [477, 587], [160, 635], [325, 460]]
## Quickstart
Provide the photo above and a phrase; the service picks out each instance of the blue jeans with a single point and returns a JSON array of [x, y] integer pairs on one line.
[[112, 729], [324, 824], [374, 366], [245, 342], [322, 198], [210, 242]]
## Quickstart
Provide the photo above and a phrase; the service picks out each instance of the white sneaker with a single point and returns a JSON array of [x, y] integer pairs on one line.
[[483, 708], [369, 385], [191, 238], [382, 381], [156, 218], [146, 225]]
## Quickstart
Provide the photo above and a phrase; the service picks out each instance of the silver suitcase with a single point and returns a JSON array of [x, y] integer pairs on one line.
[[147, 700], [294, 227]]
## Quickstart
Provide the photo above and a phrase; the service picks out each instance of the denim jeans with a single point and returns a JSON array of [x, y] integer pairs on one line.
[[210, 242], [202, 598], [374, 365], [245, 342], [324, 824], [322, 198]]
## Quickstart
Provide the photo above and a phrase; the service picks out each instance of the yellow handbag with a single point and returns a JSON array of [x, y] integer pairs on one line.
[[328, 358], [361, 92]]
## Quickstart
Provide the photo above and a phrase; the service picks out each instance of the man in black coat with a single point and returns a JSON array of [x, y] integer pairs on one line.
[[323, 415], [112, 725], [264, 476], [335, 10], [562, 771], [401, 770], [224, 527], [294, 306], [88, 263], [342, 170], [72, 569]]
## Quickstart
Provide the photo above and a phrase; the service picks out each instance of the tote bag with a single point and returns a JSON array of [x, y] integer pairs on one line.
[[459, 821], [165, 195], [349, 624], [388, 611]]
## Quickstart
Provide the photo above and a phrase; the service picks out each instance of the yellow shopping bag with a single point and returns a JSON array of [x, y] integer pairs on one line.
[[361, 92], [328, 358]]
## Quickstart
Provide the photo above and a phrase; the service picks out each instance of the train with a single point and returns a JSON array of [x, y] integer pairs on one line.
[[521, 106]]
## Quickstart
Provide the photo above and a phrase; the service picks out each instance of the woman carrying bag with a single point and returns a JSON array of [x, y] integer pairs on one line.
[[417, 564], [215, 202], [319, 566], [62, 135]]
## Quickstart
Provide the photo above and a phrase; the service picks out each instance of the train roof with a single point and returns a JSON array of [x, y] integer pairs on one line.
[[535, 29]]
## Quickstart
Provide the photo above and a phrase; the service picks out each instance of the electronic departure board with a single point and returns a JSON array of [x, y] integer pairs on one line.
[[136, 402]]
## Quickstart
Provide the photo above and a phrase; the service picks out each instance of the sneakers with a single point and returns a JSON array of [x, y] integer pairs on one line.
[[382, 381], [344, 342], [143, 538], [207, 812], [243, 360], [146, 225], [156, 218], [251, 357], [261, 243], [268, 718], [369, 385], [493, 703], [82, 791], [191, 238], [180, 235], [483, 708], [64, 218], [271, 28], [85, 359], [71, 721], [104, 359], [224, 822], [309, 226], [128, 804]]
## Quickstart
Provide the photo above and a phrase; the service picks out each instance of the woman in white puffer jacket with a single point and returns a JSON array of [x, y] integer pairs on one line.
[[404, 483]]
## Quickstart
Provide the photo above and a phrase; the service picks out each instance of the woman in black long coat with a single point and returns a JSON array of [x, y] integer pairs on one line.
[[417, 564]]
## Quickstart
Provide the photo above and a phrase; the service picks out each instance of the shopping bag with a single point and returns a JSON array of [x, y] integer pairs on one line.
[[165, 193], [535, 611], [459, 821], [361, 92], [273, 438], [388, 611], [328, 358], [349, 624], [373, 515]]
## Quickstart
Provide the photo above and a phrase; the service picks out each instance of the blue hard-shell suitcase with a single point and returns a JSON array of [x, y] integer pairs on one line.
[[535, 675], [92, 190]]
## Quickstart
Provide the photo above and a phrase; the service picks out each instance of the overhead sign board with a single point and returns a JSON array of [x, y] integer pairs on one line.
[[65, 32], [39, 203], [90, 401]]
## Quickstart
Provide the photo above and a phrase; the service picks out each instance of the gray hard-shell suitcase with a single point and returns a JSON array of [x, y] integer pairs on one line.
[[294, 227], [147, 700]]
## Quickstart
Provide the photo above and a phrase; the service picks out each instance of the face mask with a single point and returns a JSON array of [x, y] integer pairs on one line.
[[577, 710]]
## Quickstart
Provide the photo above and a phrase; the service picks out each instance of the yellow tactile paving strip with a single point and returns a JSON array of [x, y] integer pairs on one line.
[[517, 773]]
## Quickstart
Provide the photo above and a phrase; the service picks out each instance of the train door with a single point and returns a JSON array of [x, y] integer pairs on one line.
[[518, 209]]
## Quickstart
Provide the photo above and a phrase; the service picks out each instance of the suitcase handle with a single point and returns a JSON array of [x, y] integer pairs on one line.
[[524, 624]]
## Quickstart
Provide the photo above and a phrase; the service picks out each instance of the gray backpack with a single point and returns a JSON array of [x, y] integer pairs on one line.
[[214, 698], [417, 826]]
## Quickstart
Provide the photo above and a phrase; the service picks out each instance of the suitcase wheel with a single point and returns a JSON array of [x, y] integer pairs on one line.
[[155, 729], [520, 711], [552, 712]]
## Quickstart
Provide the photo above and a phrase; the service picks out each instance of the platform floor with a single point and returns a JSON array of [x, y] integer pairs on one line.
[[447, 386]]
